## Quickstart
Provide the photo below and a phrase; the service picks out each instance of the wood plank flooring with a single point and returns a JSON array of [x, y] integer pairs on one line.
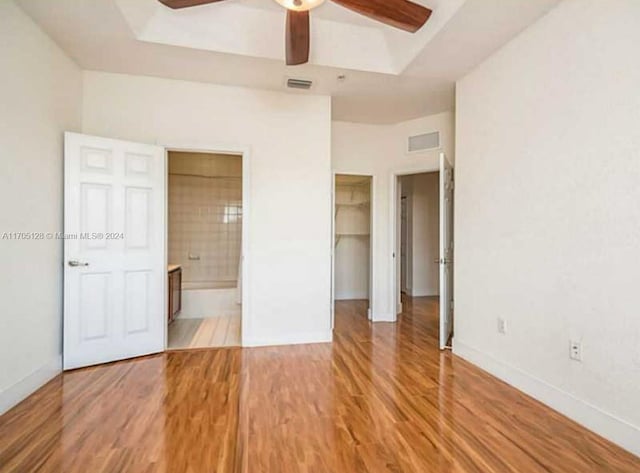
[[205, 333], [381, 398]]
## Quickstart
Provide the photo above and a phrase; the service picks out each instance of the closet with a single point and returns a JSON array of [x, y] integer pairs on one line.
[[352, 237]]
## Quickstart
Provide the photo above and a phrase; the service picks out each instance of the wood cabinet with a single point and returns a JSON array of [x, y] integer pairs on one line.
[[175, 292]]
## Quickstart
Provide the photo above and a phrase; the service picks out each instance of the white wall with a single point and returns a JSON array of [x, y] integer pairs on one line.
[[379, 151], [423, 201], [548, 214], [290, 190], [352, 268], [41, 98]]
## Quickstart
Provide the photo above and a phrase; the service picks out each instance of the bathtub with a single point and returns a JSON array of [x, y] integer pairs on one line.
[[210, 299]]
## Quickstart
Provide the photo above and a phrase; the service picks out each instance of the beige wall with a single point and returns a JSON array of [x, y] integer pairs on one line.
[[205, 164], [205, 218], [41, 98], [547, 215]]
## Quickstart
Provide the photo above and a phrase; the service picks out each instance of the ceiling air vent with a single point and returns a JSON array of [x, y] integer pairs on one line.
[[423, 142], [299, 84]]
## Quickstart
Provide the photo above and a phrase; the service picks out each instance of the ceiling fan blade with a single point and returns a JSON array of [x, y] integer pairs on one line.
[[402, 14], [297, 37], [186, 3]]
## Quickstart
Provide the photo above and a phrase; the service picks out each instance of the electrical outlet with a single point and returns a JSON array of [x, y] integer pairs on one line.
[[502, 326], [575, 350]]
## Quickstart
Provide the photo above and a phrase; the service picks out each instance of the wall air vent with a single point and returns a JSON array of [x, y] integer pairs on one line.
[[299, 84], [423, 142]]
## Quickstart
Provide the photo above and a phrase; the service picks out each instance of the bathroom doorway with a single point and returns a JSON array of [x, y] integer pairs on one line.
[[205, 213]]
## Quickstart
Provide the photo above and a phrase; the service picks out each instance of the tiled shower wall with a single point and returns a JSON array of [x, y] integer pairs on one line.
[[205, 217]]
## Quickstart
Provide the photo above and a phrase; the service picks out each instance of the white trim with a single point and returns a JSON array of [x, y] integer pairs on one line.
[[16, 393], [332, 294], [593, 418], [306, 338], [245, 152], [396, 173], [165, 250], [373, 237], [386, 318]]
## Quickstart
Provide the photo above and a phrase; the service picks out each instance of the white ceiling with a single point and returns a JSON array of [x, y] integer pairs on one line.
[[391, 75], [340, 38]]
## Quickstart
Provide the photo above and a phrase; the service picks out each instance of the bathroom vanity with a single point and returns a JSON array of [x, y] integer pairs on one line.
[[175, 291]]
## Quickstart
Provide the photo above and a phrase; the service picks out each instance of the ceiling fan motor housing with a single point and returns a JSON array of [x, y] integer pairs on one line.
[[300, 5]]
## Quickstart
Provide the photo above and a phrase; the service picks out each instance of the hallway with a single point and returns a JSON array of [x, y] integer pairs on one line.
[[381, 398]]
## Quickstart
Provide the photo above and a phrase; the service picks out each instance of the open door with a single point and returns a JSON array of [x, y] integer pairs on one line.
[[114, 250], [446, 251]]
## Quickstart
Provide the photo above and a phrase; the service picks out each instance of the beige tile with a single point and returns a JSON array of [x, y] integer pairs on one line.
[[205, 333]]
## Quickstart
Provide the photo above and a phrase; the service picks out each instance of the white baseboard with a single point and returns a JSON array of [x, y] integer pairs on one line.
[[351, 297], [384, 317], [289, 339], [29, 384], [593, 418]]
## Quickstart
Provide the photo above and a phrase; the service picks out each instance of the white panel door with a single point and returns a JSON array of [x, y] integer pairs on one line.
[[114, 249], [446, 251]]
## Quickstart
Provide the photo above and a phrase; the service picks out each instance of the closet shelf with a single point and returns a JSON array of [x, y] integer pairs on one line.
[[353, 204], [339, 236]]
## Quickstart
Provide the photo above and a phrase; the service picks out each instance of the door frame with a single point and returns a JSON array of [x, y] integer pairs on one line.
[[405, 260], [394, 229], [215, 148], [372, 239]]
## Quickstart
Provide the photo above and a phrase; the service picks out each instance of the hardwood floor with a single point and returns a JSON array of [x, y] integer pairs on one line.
[[212, 332], [381, 398]]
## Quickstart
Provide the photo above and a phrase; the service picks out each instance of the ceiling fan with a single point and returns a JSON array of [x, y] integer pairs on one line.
[[402, 14]]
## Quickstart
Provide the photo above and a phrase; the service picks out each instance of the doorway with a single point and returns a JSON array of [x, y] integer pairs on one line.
[[205, 209], [117, 302], [419, 236], [422, 234], [352, 275]]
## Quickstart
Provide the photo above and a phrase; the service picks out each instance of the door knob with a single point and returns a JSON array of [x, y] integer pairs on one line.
[[75, 263]]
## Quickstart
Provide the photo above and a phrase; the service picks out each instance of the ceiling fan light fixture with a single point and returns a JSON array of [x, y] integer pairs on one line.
[[300, 5], [403, 14]]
